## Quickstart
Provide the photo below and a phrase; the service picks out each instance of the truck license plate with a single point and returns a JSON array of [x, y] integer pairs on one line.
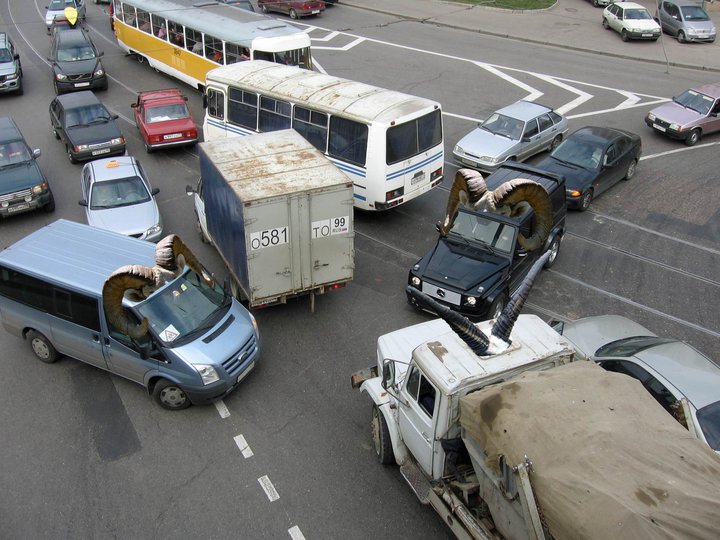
[[17, 208], [417, 179]]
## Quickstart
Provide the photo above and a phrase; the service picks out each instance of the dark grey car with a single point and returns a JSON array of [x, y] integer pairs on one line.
[[76, 63], [10, 68], [86, 128]]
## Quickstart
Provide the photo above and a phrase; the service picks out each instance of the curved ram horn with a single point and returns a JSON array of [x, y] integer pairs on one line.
[[468, 187], [463, 327], [168, 251], [504, 324], [126, 277], [520, 190]]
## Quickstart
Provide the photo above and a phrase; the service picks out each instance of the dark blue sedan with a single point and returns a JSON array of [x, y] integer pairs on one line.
[[593, 159]]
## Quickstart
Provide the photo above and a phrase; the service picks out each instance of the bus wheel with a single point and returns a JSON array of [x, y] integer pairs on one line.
[[42, 347], [140, 58]]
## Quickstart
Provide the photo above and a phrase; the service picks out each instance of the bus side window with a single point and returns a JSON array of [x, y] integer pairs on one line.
[[216, 104], [348, 140], [312, 125], [274, 114], [242, 108]]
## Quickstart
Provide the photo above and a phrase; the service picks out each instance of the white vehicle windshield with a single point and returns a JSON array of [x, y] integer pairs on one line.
[[637, 14], [504, 126]]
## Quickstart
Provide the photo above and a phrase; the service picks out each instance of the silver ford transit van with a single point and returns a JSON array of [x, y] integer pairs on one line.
[[193, 342]]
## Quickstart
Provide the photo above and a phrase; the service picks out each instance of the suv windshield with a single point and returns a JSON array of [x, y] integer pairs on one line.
[[13, 152], [75, 53], [489, 233], [5, 55], [185, 309], [709, 420], [120, 192]]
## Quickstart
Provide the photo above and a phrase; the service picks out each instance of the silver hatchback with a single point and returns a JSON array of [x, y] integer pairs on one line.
[[117, 197], [515, 132]]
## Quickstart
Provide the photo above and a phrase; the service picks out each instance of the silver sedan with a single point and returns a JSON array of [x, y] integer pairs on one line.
[[515, 132], [681, 379]]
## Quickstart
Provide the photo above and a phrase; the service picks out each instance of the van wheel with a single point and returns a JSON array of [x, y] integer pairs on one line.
[[497, 306], [42, 347], [693, 137], [381, 437], [170, 396], [554, 249], [681, 37]]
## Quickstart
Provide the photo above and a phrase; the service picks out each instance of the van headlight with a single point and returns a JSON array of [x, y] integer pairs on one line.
[[207, 373], [254, 323], [153, 230]]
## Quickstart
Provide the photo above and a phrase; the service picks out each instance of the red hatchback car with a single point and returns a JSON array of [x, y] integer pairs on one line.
[[294, 8], [164, 120]]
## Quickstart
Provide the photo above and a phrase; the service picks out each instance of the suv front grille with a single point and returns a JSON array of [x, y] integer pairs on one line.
[[16, 195], [80, 77]]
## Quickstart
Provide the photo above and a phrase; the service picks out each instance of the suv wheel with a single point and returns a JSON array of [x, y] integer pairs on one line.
[[497, 306], [54, 132], [586, 200], [554, 249], [70, 154]]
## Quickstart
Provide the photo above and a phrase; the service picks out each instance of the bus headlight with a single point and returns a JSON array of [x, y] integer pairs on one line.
[[207, 373]]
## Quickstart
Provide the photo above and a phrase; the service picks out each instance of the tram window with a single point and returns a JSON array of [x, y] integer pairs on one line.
[[158, 27], [235, 53], [214, 49], [143, 20], [176, 34], [129, 15], [193, 40]]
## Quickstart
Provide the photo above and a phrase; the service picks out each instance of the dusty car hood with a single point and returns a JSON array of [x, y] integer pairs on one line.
[[93, 134], [132, 219], [20, 176], [589, 334], [676, 114], [458, 266], [481, 142]]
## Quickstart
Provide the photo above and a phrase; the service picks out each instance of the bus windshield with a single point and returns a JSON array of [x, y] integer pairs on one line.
[[184, 309], [295, 57]]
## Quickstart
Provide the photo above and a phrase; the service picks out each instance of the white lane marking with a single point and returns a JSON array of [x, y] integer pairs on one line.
[[630, 99], [222, 408], [317, 65], [243, 446], [676, 150], [268, 488], [347, 47], [637, 304], [330, 36], [534, 93], [295, 533], [622, 106], [582, 96], [471, 119]]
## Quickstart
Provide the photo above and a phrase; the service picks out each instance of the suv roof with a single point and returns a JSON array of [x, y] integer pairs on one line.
[[524, 110], [509, 171], [3, 40], [73, 37], [9, 130]]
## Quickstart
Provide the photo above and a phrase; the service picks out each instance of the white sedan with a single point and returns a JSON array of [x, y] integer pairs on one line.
[[631, 21]]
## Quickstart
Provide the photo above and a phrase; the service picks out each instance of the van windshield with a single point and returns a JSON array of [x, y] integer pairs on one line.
[[184, 310]]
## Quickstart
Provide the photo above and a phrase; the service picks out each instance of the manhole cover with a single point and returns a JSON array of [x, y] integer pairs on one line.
[[571, 10]]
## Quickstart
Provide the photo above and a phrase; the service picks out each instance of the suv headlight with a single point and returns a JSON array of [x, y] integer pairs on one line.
[[13, 76], [207, 373], [416, 281], [99, 72], [60, 76], [81, 147], [471, 301]]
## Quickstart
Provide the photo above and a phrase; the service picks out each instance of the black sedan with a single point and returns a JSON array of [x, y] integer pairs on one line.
[[85, 127], [593, 159]]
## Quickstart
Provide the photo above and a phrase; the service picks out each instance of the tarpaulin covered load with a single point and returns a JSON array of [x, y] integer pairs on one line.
[[608, 460]]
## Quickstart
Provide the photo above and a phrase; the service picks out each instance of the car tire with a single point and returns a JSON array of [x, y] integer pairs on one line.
[[50, 207], [497, 306], [554, 249], [293, 14], [381, 437], [596, 3], [632, 168], [555, 142], [170, 395], [681, 37], [586, 200], [70, 156], [693, 137], [624, 35], [264, 8], [54, 132], [148, 148], [605, 24], [41, 346]]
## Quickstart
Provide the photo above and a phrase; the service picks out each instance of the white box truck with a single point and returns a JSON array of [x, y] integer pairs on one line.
[[279, 213]]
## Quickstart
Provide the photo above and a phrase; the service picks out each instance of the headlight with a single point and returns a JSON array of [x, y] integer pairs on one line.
[[459, 150], [254, 323], [674, 127], [207, 373], [99, 73], [60, 76], [81, 147], [13, 76], [5, 204], [37, 189], [153, 230], [471, 300], [119, 140], [489, 159], [651, 117], [415, 281]]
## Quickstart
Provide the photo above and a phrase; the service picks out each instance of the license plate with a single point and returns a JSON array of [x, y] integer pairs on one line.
[[18, 208], [417, 179], [98, 152], [81, 84], [659, 128], [173, 136], [247, 370], [647, 35], [316, 11], [468, 162]]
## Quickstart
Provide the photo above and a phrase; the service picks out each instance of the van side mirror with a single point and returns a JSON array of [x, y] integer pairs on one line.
[[36, 153], [155, 191], [82, 202], [16, 56], [388, 374], [205, 102], [145, 349]]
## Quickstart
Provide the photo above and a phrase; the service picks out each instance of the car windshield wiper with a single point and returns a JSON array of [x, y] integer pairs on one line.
[[565, 162], [99, 120], [675, 100], [457, 236]]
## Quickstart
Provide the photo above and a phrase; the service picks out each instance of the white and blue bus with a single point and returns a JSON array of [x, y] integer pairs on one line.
[[390, 144]]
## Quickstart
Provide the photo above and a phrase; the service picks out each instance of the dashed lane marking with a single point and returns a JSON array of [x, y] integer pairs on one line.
[[295, 533], [268, 488], [243, 446], [222, 408]]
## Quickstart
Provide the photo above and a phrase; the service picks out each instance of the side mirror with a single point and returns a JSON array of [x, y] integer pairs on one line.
[[101, 53], [144, 349], [114, 117], [133, 105], [388, 374], [36, 153], [155, 191], [189, 190], [16, 56], [82, 202]]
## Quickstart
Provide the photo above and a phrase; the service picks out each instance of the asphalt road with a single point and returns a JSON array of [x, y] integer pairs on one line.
[[88, 455]]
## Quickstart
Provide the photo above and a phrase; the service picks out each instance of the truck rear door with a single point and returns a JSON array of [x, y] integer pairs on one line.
[[330, 215]]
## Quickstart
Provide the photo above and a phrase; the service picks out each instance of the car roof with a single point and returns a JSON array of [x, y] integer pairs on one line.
[[692, 373], [78, 99], [712, 89], [599, 134], [112, 168], [74, 36], [167, 93], [631, 5], [9, 130], [524, 110], [683, 3]]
